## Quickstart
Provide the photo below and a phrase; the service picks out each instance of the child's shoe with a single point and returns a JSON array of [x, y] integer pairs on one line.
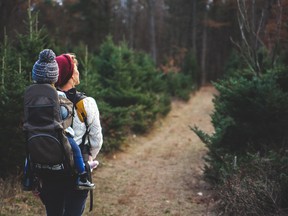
[[83, 183]]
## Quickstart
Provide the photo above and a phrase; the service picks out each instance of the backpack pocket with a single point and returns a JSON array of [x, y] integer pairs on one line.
[[40, 116], [45, 149]]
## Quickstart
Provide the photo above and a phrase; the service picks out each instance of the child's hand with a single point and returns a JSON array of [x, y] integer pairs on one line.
[[36, 192], [93, 164]]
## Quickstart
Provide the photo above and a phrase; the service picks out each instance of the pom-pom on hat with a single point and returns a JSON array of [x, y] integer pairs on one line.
[[45, 69], [66, 68]]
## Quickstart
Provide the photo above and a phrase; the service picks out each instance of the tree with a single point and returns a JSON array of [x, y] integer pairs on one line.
[[261, 29], [152, 29], [17, 59]]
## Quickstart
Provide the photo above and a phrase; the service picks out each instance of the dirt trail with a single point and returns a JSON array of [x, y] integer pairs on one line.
[[159, 174]]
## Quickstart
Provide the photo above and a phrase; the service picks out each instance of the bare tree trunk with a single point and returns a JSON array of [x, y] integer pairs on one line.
[[130, 23], [194, 28], [204, 53], [151, 12]]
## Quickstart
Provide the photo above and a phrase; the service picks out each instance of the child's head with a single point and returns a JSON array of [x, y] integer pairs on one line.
[[45, 69]]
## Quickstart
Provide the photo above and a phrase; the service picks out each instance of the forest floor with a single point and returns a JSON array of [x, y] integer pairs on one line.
[[160, 173]]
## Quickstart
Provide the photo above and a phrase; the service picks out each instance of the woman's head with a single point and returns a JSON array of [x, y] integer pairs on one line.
[[45, 69], [68, 70]]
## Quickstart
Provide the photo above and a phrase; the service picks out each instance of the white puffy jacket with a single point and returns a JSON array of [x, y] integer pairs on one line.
[[93, 120]]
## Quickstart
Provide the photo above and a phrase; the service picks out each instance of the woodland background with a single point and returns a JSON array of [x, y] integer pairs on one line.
[[137, 55], [168, 30]]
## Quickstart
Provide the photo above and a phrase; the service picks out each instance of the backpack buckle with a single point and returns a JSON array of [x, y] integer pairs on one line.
[[49, 167]]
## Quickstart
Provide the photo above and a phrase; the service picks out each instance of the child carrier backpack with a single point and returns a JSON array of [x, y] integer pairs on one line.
[[47, 148]]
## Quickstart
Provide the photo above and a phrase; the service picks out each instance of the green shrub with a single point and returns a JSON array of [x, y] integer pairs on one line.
[[180, 85], [247, 157], [16, 60], [250, 116], [128, 82], [191, 68], [115, 126]]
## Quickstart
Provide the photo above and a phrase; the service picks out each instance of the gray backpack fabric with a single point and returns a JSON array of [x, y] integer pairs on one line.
[[47, 147]]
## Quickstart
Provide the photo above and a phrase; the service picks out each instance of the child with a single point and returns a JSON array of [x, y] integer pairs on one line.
[[45, 70]]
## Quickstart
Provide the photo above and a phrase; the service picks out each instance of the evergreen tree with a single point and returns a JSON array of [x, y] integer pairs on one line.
[[17, 59], [130, 87]]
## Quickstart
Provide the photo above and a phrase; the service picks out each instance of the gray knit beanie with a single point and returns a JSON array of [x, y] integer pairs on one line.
[[45, 69]]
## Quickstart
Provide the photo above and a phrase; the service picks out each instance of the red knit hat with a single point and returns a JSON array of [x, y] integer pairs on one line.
[[66, 68]]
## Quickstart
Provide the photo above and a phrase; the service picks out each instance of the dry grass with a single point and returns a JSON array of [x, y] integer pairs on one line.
[[14, 201]]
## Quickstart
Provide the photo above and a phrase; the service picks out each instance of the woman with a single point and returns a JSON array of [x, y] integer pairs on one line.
[[60, 196]]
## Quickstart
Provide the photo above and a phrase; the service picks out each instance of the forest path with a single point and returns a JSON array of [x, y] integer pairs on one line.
[[160, 173]]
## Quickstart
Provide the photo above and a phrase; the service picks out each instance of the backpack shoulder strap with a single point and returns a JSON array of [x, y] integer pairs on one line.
[[77, 99], [82, 115], [79, 106], [78, 103]]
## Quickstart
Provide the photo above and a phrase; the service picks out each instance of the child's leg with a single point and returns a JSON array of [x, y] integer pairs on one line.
[[78, 159], [82, 181]]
